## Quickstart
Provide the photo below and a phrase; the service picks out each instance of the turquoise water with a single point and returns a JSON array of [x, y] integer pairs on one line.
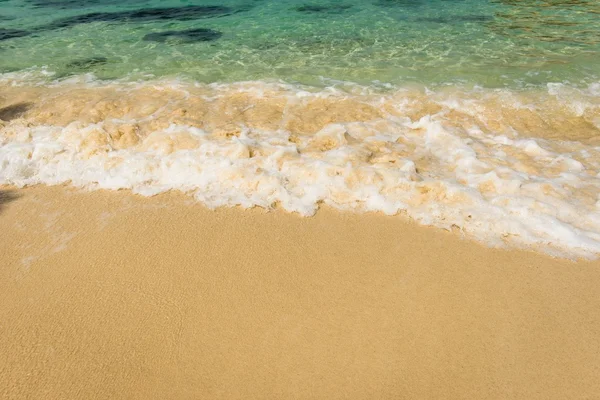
[[492, 43]]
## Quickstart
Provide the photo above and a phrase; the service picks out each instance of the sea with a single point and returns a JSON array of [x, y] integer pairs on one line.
[[476, 116]]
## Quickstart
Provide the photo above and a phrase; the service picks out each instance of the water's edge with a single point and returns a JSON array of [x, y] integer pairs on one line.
[[517, 168]]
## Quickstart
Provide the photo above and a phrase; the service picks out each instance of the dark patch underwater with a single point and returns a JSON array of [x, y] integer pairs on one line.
[[187, 36], [73, 4], [6, 34], [186, 13], [87, 63], [313, 8]]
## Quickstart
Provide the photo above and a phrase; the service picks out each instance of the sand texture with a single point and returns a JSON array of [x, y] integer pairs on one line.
[[108, 295]]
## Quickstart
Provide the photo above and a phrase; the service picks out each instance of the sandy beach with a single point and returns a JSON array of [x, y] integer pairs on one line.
[[111, 295], [293, 199]]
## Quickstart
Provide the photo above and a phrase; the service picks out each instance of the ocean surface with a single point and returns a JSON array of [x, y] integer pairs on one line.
[[481, 116]]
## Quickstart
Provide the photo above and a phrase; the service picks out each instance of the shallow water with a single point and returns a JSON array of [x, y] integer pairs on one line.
[[478, 116], [485, 42]]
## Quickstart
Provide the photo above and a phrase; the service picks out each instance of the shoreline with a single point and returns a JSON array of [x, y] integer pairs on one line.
[[503, 167], [108, 294]]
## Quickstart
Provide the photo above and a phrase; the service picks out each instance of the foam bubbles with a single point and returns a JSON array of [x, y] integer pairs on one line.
[[472, 161]]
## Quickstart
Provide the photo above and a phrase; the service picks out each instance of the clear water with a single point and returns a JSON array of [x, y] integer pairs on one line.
[[492, 43]]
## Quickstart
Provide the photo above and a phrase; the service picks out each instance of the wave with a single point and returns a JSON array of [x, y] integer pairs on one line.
[[506, 167]]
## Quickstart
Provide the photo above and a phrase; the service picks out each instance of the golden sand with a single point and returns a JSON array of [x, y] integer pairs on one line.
[[110, 295]]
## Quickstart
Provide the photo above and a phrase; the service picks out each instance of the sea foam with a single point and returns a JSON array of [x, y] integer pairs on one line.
[[504, 167]]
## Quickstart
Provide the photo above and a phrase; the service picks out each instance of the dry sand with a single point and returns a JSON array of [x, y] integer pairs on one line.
[[109, 295]]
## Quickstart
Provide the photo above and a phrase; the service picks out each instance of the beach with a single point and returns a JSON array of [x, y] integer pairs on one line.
[[299, 199], [516, 168], [470, 116], [107, 294]]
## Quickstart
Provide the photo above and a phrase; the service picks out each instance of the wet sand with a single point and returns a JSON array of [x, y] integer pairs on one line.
[[111, 295]]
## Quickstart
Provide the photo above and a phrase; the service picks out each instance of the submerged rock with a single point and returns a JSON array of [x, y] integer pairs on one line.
[[86, 63], [185, 13], [71, 4], [188, 36], [6, 34], [313, 8]]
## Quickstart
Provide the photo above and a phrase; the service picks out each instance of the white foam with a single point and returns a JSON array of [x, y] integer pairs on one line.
[[501, 190]]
